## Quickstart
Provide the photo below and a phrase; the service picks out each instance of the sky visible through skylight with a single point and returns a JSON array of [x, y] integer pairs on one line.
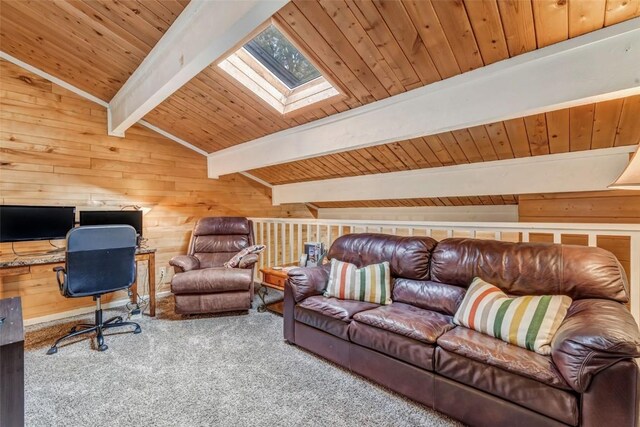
[[281, 57]]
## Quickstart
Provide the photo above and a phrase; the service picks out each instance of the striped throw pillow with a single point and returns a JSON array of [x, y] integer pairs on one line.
[[371, 283], [527, 321]]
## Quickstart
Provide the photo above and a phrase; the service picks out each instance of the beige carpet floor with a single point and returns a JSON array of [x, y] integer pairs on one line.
[[200, 371]]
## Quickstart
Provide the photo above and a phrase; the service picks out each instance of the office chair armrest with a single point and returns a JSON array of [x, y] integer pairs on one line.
[[60, 273]]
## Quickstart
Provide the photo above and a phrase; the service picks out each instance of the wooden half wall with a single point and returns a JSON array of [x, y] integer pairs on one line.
[[54, 150]]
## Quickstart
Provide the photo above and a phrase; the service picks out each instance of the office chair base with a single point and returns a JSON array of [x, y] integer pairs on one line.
[[98, 328]]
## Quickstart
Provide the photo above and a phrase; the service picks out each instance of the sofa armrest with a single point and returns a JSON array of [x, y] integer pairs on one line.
[[183, 263], [595, 334], [248, 261], [308, 281]]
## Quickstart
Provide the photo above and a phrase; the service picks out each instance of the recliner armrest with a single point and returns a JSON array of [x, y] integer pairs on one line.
[[183, 263], [308, 281], [595, 334]]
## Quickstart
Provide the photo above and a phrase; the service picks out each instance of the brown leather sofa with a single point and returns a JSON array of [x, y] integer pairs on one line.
[[201, 283], [412, 346]]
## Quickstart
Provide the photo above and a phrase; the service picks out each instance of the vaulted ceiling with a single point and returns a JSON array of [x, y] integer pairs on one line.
[[371, 49]]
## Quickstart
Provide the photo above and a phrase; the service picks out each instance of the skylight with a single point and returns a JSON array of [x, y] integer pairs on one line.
[[274, 69], [279, 56]]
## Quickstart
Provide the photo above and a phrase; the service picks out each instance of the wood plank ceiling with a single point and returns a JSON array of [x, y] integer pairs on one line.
[[94, 45], [376, 49], [434, 201], [601, 125], [371, 49]]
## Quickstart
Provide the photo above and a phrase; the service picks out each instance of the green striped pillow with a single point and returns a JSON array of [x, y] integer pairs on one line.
[[528, 321], [371, 283]]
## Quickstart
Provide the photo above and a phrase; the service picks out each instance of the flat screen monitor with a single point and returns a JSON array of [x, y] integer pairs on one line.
[[23, 223], [132, 218]]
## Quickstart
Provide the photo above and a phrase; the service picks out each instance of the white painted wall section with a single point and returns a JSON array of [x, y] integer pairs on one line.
[[590, 170], [506, 213], [204, 31], [597, 66]]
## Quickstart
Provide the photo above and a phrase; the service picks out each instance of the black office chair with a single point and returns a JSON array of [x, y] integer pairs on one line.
[[99, 259]]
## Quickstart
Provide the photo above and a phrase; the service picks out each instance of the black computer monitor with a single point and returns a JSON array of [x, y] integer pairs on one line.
[[24, 223], [132, 218]]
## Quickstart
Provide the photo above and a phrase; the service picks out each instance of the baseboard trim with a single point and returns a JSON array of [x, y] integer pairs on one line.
[[82, 310]]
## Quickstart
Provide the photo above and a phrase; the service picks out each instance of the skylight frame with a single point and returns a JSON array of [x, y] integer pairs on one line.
[[262, 82]]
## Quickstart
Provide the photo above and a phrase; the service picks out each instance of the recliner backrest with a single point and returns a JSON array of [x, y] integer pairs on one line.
[[99, 259], [216, 239], [531, 268], [408, 257]]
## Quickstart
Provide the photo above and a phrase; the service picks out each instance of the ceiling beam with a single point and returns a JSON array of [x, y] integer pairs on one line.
[[590, 170], [594, 67], [204, 31]]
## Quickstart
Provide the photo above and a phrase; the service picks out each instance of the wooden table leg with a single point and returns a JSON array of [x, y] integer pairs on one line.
[[152, 284], [134, 289]]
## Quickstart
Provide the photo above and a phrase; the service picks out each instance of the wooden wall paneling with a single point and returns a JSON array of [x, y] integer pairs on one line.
[[55, 151]]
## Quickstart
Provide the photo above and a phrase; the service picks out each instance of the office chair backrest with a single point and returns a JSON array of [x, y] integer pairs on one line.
[[99, 259], [216, 239]]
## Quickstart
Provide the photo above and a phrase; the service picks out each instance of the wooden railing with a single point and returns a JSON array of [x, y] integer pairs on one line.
[[284, 238]]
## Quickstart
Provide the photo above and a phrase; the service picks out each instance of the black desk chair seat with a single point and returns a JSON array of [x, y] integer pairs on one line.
[[99, 260]]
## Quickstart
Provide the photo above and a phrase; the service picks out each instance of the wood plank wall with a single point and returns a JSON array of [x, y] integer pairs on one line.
[[54, 150], [585, 207]]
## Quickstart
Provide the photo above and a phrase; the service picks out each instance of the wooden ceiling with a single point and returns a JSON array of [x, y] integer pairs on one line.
[[593, 126], [371, 49], [94, 45], [436, 201], [376, 49]]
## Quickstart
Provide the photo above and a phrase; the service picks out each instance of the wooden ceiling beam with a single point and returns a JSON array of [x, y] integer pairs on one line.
[[597, 66], [203, 32], [590, 170]]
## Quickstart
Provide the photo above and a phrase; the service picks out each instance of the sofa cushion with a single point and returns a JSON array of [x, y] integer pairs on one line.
[[529, 321], [531, 268], [492, 351], [371, 283], [397, 346], [336, 308], [550, 401], [408, 256], [210, 280], [404, 319], [330, 315], [429, 295]]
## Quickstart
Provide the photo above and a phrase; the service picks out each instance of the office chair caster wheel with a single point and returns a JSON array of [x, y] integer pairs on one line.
[[52, 350], [137, 330], [102, 347]]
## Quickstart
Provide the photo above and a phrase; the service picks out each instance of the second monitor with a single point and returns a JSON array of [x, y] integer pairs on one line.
[[132, 218]]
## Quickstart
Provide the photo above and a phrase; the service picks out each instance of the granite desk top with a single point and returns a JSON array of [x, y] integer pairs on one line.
[[11, 260]]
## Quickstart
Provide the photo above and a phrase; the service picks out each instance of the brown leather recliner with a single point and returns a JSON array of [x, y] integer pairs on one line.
[[201, 283]]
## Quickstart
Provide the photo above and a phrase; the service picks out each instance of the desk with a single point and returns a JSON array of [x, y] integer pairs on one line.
[[23, 264]]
